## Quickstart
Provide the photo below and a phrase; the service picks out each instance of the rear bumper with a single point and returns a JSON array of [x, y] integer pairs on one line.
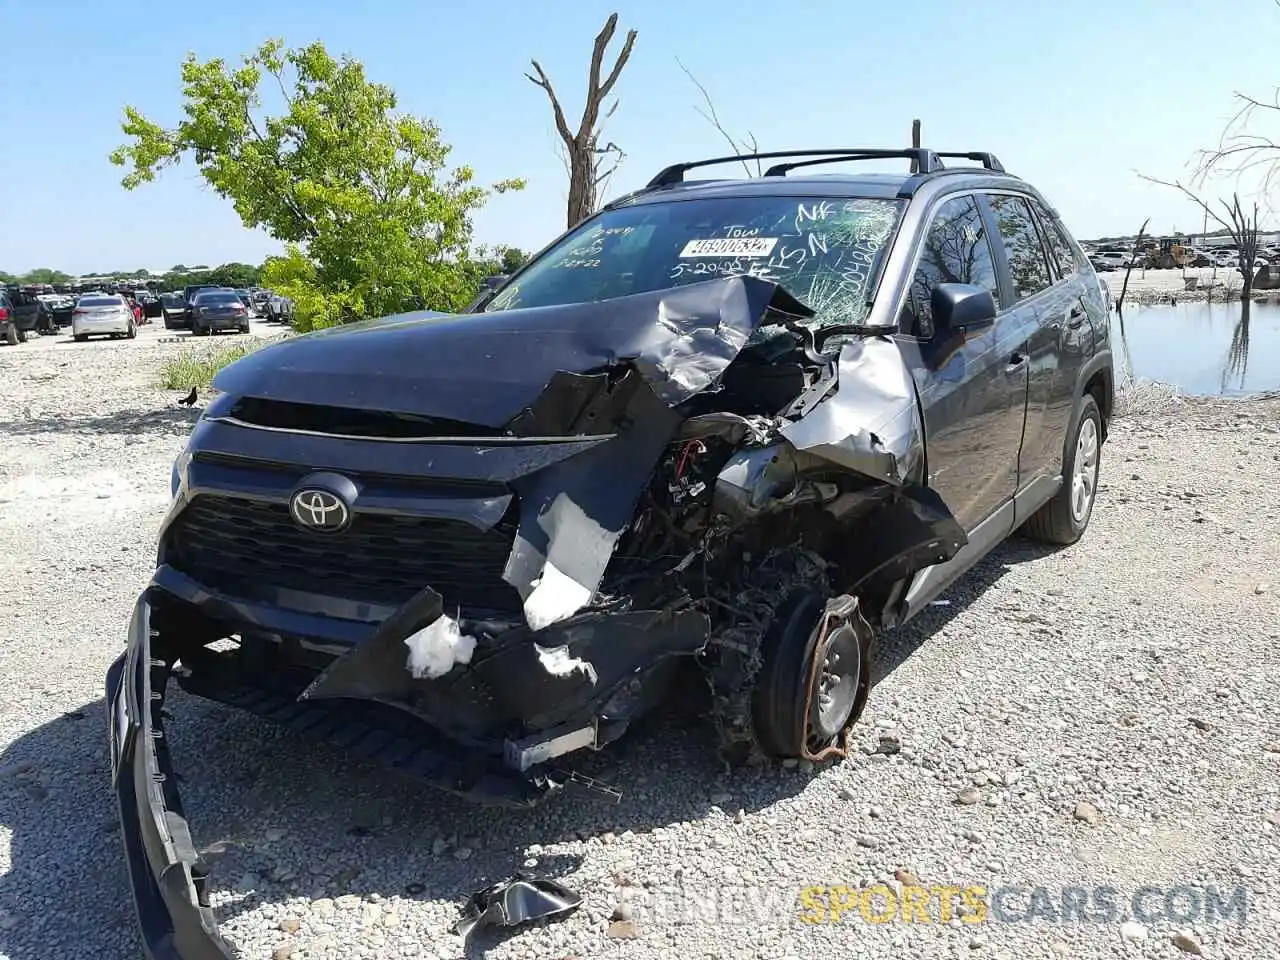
[[223, 323], [100, 328], [167, 877]]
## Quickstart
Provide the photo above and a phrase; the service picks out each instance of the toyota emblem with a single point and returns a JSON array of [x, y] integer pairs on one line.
[[320, 510]]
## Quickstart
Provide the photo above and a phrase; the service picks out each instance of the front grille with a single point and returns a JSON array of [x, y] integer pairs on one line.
[[240, 546], [348, 421]]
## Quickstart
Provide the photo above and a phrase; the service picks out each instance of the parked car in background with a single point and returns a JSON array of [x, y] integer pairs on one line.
[[1111, 259], [261, 300], [189, 293], [173, 307], [107, 314], [25, 312], [214, 310], [279, 308], [151, 306], [135, 307], [10, 332], [55, 312], [246, 297]]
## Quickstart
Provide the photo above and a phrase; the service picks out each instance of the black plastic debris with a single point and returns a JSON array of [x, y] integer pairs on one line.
[[516, 901]]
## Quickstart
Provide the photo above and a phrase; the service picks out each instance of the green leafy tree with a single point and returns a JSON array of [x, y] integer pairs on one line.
[[513, 258], [234, 275], [358, 191], [45, 275]]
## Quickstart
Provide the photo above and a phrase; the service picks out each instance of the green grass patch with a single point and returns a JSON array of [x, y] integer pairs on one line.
[[197, 367]]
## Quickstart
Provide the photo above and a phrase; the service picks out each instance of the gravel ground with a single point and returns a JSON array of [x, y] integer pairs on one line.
[[1102, 715]]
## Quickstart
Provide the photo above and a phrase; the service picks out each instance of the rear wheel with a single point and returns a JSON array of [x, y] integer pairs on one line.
[[133, 331], [22, 335], [1064, 519], [11, 335]]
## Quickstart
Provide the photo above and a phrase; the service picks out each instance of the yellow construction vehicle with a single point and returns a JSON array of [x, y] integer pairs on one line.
[[1168, 254]]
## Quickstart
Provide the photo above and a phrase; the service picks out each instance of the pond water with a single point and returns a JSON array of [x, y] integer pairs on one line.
[[1203, 348]]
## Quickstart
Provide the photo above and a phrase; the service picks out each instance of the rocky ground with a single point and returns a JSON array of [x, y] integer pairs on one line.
[[1103, 715]]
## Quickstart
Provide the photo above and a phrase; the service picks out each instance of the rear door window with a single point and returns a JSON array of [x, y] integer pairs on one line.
[[1060, 251], [1028, 264]]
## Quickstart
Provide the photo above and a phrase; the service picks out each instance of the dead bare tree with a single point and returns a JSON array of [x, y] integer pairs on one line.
[[1137, 243], [590, 164], [748, 145], [1241, 151], [1240, 224]]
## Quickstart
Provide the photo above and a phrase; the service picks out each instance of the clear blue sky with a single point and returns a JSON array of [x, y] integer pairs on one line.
[[1071, 94]]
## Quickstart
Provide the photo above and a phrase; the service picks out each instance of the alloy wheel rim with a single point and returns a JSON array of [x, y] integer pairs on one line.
[[1084, 475]]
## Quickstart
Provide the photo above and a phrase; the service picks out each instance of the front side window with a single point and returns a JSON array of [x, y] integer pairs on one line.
[[955, 250], [1022, 245], [826, 252]]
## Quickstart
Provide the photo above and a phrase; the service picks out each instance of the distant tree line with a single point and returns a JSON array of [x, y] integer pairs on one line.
[[487, 263]]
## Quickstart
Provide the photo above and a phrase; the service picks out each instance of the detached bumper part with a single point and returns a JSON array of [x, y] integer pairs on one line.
[[510, 903], [167, 877]]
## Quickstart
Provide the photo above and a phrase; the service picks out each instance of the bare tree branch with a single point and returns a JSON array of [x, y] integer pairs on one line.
[[1124, 288], [583, 158], [710, 115], [543, 81], [1241, 226], [607, 87]]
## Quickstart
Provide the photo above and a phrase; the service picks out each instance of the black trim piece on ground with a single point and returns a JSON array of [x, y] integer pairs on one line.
[[166, 874]]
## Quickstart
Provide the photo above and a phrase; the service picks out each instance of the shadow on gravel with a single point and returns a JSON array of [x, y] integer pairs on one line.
[[280, 817], [171, 420], [898, 645], [64, 894]]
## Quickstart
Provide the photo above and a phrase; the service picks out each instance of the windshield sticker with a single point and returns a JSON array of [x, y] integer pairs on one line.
[[730, 247]]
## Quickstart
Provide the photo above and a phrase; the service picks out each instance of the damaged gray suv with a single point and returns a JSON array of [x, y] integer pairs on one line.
[[723, 428]]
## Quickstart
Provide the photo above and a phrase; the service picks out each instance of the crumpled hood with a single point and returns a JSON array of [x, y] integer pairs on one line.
[[485, 368]]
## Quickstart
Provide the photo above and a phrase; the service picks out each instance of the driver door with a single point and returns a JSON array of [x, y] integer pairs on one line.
[[972, 390]]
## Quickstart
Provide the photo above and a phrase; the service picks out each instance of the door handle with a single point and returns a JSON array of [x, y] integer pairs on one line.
[[1016, 363]]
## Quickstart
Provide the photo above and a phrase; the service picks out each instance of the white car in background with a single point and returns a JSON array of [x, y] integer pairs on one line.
[[102, 314], [1111, 259]]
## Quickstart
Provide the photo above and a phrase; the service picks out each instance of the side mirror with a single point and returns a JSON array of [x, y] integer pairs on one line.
[[962, 307], [493, 283]]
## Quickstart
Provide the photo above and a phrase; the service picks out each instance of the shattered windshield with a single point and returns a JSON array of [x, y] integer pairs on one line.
[[825, 251]]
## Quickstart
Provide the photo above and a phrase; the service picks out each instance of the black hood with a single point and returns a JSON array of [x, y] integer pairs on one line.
[[485, 368]]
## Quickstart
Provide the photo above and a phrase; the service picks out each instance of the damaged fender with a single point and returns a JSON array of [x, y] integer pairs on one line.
[[872, 423]]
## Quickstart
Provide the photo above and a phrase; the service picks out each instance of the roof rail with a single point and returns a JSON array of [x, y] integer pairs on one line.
[[926, 161], [988, 160]]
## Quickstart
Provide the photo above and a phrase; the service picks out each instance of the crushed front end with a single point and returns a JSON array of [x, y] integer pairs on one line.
[[470, 569]]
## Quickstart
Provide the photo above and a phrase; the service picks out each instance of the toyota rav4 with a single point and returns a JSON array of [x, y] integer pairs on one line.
[[724, 428]]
